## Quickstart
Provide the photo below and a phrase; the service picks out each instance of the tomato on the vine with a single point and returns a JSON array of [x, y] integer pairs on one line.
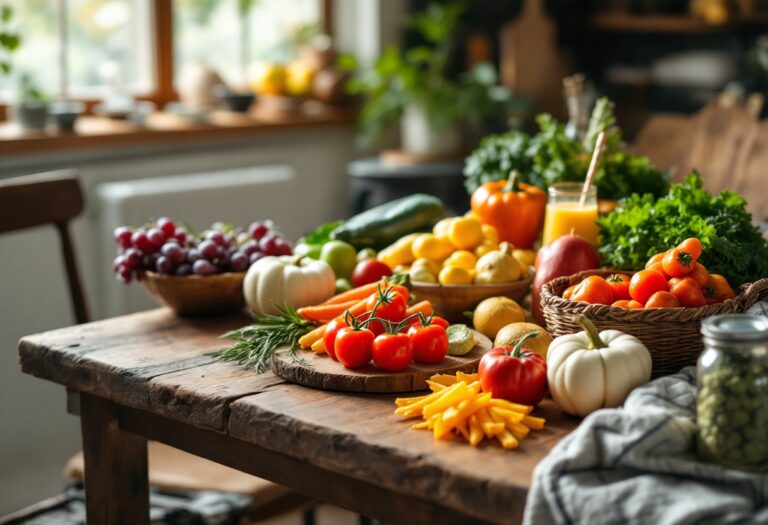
[[439, 321], [392, 352], [329, 336], [430, 343], [391, 305], [353, 346]]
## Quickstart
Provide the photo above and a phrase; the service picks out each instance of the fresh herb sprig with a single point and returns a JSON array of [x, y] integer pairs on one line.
[[255, 343]]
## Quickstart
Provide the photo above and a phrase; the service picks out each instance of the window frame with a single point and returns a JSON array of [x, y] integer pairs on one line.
[[161, 32]]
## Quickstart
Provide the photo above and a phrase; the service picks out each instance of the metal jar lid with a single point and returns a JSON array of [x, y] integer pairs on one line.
[[736, 328]]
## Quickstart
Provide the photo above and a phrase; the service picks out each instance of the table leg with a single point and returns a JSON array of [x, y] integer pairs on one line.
[[116, 483]]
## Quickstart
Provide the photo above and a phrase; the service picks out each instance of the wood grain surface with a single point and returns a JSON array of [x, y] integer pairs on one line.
[[157, 366], [320, 371]]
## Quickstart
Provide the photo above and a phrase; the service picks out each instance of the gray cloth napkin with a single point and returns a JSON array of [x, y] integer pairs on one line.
[[638, 464]]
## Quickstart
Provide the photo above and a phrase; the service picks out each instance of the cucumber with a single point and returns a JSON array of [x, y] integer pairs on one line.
[[383, 225]]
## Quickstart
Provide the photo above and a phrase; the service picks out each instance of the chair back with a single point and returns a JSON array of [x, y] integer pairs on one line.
[[49, 198]]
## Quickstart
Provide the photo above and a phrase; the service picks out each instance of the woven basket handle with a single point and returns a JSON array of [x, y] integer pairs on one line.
[[753, 293]]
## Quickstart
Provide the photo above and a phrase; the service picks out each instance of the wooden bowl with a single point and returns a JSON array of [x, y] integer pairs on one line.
[[197, 295], [451, 301]]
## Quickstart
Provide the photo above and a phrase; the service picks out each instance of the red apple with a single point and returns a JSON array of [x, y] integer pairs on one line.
[[369, 271], [567, 255]]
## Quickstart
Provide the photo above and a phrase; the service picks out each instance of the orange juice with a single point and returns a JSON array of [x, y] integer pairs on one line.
[[562, 217]]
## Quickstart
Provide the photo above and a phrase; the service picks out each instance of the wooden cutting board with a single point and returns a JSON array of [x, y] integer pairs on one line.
[[320, 371]]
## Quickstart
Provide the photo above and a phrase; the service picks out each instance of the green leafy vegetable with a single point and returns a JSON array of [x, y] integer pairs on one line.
[[255, 343], [552, 156], [643, 226], [322, 234]]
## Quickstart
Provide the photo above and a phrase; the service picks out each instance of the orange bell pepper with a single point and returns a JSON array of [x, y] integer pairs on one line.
[[516, 212]]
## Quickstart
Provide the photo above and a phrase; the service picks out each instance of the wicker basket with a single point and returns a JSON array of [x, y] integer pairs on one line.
[[671, 334]]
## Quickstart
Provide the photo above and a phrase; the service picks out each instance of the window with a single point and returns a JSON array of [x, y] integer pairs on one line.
[[229, 35], [76, 48], [82, 48]]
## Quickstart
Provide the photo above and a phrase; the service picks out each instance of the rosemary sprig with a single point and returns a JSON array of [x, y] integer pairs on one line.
[[254, 344]]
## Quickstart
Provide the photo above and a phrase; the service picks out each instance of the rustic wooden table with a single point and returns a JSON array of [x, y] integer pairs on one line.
[[148, 376]]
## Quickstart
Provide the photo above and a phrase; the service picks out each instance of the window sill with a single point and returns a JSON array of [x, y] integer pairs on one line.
[[93, 133]]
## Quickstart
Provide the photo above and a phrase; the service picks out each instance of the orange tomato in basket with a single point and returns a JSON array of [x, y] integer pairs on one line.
[[662, 300], [688, 293], [645, 283], [594, 290], [620, 285]]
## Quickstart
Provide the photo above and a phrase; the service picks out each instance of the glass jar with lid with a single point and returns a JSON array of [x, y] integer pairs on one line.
[[732, 400]]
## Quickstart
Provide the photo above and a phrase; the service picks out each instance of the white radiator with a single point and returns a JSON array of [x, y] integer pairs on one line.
[[238, 196]]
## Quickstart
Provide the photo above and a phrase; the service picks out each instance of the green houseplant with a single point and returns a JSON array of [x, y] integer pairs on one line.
[[30, 110], [414, 87]]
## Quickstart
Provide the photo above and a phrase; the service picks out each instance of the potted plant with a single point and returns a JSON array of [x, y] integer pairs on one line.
[[414, 87], [31, 108]]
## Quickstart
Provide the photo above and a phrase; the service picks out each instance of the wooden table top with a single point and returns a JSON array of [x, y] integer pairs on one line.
[[157, 362]]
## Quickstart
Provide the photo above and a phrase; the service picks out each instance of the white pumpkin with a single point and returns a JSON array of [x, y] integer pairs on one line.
[[587, 371], [274, 282]]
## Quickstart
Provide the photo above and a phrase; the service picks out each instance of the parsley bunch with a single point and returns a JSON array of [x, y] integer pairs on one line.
[[644, 226]]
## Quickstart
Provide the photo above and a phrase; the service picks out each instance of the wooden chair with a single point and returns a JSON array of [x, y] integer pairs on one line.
[[56, 198]]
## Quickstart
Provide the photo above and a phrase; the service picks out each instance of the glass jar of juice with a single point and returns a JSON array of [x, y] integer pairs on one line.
[[566, 212]]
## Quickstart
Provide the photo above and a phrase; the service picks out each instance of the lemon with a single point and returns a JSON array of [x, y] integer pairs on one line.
[[486, 247], [513, 332], [461, 340], [421, 275], [494, 313], [527, 257], [443, 226], [462, 259], [428, 246], [466, 233], [454, 275], [490, 233], [427, 264]]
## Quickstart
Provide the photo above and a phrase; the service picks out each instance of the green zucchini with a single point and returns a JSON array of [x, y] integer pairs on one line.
[[383, 225]]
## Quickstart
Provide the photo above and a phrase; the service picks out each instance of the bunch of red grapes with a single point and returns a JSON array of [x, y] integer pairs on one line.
[[165, 248]]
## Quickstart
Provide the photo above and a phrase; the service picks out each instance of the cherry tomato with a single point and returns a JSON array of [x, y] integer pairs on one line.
[[430, 343], [620, 285], [439, 321], [353, 347], [329, 336], [662, 300], [629, 304], [693, 246], [369, 271], [688, 293], [677, 263], [392, 307], [645, 283], [568, 292], [718, 289], [655, 259], [392, 352], [594, 290], [700, 275]]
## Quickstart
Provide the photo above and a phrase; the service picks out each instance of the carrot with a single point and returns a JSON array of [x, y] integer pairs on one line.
[[363, 292], [306, 340], [424, 307], [325, 312], [358, 293], [318, 347]]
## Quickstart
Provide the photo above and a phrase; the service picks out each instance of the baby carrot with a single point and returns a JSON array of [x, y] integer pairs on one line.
[[425, 307], [358, 293], [325, 312]]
